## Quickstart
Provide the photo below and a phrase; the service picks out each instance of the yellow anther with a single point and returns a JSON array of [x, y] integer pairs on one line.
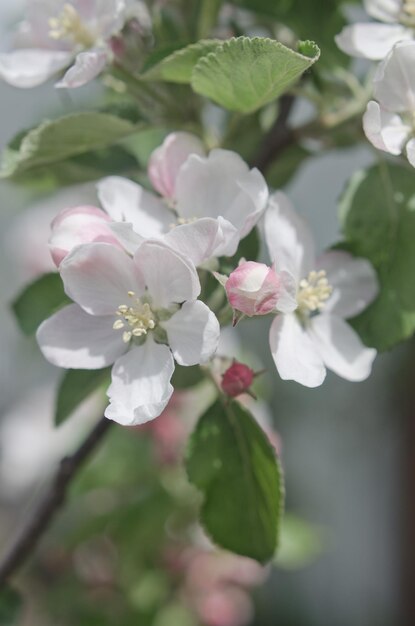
[[69, 25], [313, 292], [136, 320]]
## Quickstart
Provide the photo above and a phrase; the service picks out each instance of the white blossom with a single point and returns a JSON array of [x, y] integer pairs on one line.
[[329, 289], [389, 121], [373, 40], [136, 313]]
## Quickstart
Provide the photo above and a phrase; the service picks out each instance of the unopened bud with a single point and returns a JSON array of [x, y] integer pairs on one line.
[[253, 288], [237, 379]]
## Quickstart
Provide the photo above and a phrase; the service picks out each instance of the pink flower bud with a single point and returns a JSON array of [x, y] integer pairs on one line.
[[253, 288], [237, 379], [166, 161], [72, 227]]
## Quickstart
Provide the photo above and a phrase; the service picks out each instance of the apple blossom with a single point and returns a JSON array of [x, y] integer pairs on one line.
[[74, 226], [330, 289], [136, 313], [389, 122], [217, 201], [57, 34], [373, 40]]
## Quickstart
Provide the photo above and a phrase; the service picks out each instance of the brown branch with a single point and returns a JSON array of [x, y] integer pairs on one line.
[[279, 137], [38, 522]]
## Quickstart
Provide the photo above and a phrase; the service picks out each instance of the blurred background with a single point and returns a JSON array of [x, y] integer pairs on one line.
[[347, 450]]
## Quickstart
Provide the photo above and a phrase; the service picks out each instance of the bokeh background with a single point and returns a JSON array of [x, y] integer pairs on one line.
[[347, 449]]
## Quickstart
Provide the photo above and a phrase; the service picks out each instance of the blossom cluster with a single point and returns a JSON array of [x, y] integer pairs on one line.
[[389, 118], [130, 268]]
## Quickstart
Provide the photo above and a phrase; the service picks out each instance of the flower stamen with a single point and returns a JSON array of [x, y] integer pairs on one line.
[[313, 292], [69, 25], [136, 320]]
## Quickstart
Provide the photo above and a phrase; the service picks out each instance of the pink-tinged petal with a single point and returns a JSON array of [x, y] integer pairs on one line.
[[203, 239], [87, 66], [166, 161], [72, 338], [126, 236], [193, 333], [74, 226], [410, 152], [221, 185], [31, 67], [295, 354], [253, 288], [384, 10], [354, 282], [394, 80], [125, 201], [169, 276], [289, 240], [386, 131], [341, 348], [98, 277], [371, 41], [140, 387]]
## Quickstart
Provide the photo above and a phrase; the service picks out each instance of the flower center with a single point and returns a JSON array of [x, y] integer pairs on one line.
[[313, 292], [135, 320], [69, 25]]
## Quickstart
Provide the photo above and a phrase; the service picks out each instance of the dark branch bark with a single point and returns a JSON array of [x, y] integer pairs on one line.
[[279, 137], [39, 521]]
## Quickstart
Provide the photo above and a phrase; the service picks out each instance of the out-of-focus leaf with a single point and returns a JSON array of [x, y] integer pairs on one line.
[[244, 73], [286, 166], [38, 301], [75, 387], [231, 461], [300, 543], [58, 140], [377, 211], [185, 377], [10, 607]]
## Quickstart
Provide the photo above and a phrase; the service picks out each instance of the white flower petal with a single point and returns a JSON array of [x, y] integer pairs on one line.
[[289, 240], [104, 17], [394, 80], [140, 387], [341, 348], [410, 152], [86, 67], [287, 301], [371, 41], [166, 160], [294, 353], [386, 131], [72, 338], [354, 281], [384, 10], [169, 276], [221, 185], [193, 333], [126, 236], [31, 67], [98, 276], [203, 239], [125, 201]]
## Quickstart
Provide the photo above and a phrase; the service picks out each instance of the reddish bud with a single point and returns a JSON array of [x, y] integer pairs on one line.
[[237, 379]]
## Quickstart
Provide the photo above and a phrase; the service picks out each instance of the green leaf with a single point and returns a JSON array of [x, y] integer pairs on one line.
[[377, 211], [184, 377], [75, 387], [10, 607], [231, 461], [244, 74], [38, 301], [178, 66], [57, 140]]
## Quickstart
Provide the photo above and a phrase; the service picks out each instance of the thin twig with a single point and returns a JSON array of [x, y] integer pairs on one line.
[[38, 522], [279, 137]]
